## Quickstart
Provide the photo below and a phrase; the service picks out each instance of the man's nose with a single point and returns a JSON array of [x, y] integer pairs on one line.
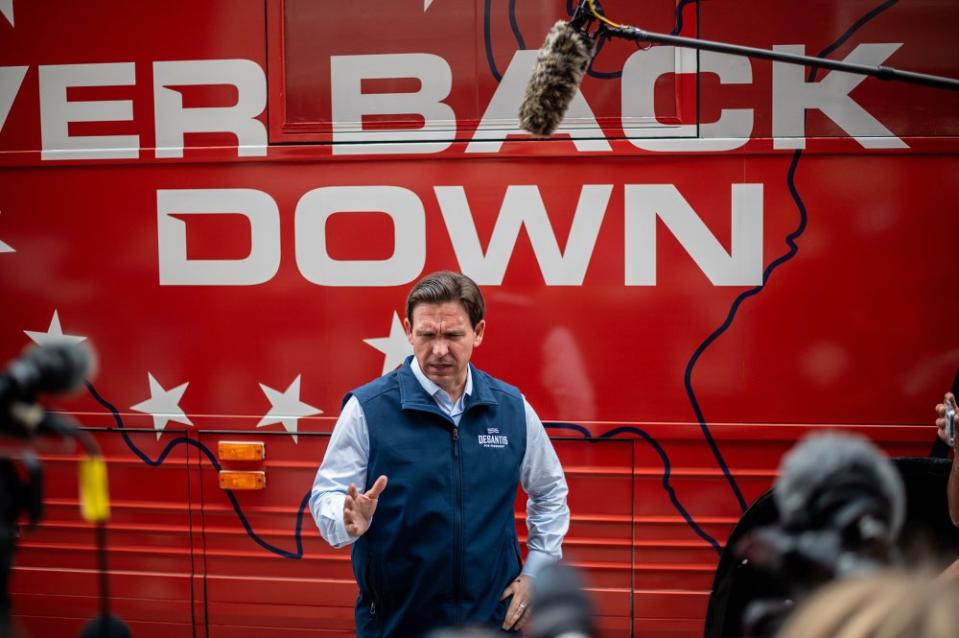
[[440, 348]]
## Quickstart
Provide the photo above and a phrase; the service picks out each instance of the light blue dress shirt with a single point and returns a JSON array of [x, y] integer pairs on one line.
[[541, 475]]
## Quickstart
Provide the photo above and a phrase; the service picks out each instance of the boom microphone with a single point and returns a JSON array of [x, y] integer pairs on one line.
[[841, 482], [54, 368], [560, 66]]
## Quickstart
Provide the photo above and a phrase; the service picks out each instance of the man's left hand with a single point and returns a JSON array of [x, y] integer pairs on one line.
[[519, 608]]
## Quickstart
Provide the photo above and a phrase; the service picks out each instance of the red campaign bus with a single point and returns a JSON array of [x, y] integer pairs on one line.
[[230, 199]]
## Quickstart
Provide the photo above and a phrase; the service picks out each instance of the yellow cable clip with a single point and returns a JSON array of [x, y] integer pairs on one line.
[[94, 493]]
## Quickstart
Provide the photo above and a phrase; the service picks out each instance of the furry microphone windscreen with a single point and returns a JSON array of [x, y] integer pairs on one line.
[[560, 66], [53, 368]]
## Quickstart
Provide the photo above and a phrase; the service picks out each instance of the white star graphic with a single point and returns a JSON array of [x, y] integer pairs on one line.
[[426, 4], [163, 405], [6, 8], [286, 407], [5, 247], [54, 334], [396, 347]]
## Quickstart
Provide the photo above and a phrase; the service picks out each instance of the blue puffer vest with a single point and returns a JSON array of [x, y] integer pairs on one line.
[[442, 546]]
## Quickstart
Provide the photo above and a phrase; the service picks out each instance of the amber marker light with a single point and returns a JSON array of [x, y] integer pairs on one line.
[[237, 480], [240, 450]]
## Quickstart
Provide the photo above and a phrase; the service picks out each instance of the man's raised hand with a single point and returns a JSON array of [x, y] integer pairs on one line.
[[949, 401], [358, 508]]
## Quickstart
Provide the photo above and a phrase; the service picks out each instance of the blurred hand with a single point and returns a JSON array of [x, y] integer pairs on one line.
[[949, 399], [521, 590], [358, 508]]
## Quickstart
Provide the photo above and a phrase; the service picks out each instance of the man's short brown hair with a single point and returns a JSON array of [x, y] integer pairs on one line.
[[444, 286]]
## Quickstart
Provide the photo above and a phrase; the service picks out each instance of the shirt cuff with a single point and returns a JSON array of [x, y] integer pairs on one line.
[[340, 537], [333, 528], [535, 562]]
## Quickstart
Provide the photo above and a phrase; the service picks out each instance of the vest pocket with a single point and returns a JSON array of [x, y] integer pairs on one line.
[[506, 568], [369, 578]]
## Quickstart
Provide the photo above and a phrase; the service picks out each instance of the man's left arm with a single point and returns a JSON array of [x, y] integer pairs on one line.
[[547, 515]]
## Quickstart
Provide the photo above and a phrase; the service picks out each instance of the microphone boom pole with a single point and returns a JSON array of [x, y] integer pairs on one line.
[[591, 9], [880, 71]]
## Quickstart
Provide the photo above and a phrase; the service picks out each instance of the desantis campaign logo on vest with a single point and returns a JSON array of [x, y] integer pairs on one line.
[[492, 438]]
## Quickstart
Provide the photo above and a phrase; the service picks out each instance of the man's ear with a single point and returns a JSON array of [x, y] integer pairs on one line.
[[480, 329], [409, 330]]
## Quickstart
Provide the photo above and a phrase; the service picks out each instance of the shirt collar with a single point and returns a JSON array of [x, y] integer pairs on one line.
[[431, 388]]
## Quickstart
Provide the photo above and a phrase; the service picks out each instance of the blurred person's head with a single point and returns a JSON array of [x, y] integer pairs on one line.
[[840, 481], [841, 505], [463, 632], [561, 604], [882, 605]]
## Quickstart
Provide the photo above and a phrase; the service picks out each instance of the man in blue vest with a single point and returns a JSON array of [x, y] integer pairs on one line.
[[439, 449]]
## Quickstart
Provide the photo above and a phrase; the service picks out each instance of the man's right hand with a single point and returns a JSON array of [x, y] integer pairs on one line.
[[358, 508]]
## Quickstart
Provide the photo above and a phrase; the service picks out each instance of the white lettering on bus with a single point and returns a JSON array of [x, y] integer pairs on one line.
[[172, 120], [259, 209], [522, 206], [793, 96], [57, 112], [409, 235], [11, 77], [741, 266], [640, 72], [350, 104], [500, 118]]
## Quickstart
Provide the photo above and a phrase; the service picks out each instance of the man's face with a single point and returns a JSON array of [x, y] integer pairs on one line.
[[443, 341]]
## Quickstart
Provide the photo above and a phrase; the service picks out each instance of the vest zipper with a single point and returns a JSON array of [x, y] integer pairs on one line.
[[458, 548], [371, 584]]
